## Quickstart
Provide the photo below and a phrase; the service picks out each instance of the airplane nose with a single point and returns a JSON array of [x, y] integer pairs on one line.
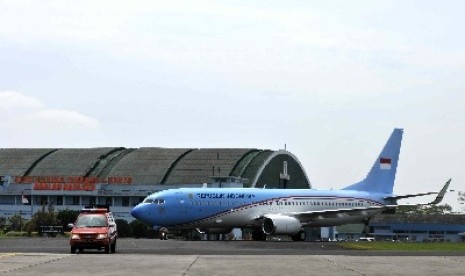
[[137, 212], [142, 212]]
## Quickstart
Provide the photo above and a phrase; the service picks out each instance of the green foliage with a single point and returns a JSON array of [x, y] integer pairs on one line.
[[16, 223], [66, 217], [141, 230], [16, 234], [123, 228], [2, 223], [425, 210], [138, 229], [42, 217]]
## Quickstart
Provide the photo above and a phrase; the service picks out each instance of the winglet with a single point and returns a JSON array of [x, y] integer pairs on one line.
[[441, 194]]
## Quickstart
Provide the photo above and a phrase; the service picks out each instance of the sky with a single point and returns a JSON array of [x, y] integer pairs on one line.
[[328, 80]]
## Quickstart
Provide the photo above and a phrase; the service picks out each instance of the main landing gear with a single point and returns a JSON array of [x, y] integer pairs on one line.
[[259, 235], [301, 236]]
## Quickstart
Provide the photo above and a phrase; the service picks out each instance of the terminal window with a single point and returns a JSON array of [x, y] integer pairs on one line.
[[76, 200], [125, 201]]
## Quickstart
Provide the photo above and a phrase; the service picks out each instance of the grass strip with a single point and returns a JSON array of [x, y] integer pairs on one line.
[[405, 246]]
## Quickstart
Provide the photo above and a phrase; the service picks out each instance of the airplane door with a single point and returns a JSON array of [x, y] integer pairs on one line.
[[182, 202], [275, 206], [161, 208]]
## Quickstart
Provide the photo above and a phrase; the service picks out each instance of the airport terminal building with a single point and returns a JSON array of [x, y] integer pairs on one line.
[[71, 178]]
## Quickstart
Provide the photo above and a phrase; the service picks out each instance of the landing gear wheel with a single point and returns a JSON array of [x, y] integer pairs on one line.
[[258, 235], [301, 236], [163, 233]]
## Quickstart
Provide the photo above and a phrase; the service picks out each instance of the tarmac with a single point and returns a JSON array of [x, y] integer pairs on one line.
[[47, 257]]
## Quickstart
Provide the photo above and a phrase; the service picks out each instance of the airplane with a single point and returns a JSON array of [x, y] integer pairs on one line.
[[279, 211]]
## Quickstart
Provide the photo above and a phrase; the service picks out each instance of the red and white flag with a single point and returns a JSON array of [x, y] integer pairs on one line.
[[24, 199], [385, 163]]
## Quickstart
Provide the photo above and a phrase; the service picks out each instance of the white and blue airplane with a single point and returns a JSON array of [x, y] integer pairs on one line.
[[279, 211]]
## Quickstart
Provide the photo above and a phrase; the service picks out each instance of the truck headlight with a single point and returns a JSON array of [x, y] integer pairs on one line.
[[75, 237], [102, 236]]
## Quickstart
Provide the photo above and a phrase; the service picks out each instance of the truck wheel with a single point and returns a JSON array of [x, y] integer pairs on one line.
[[113, 247], [73, 250], [107, 249]]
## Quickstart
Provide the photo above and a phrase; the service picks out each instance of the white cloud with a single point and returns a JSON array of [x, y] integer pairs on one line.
[[65, 117], [14, 100], [22, 114]]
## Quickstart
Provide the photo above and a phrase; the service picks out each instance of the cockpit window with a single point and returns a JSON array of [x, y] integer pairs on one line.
[[154, 200]]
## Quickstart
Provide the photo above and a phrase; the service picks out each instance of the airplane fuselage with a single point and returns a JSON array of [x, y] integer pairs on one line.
[[243, 207]]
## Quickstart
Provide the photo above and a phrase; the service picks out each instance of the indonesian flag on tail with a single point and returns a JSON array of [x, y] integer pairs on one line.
[[385, 163]]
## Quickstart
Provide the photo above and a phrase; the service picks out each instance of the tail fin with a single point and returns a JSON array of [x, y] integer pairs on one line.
[[382, 175]]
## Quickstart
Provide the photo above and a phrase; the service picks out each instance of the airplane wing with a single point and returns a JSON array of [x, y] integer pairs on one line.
[[336, 213], [436, 201]]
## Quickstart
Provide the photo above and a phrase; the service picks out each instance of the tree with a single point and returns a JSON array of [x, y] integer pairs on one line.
[[437, 209], [2, 223], [425, 209], [406, 210], [16, 223], [41, 218], [138, 229], [461, 199], [66, 217], [123, 228]]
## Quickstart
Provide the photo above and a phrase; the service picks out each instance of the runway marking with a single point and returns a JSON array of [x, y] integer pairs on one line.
[[342, 266], [17, 266], [5, 255], [451, 258], [190, 266]]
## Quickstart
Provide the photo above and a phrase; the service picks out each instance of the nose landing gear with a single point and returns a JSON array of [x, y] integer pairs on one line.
[[163, 233]]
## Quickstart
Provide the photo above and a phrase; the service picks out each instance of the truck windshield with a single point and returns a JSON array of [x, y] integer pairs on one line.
[[91, 220]]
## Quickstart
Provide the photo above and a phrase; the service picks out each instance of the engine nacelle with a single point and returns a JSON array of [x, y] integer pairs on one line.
[[281, 225]]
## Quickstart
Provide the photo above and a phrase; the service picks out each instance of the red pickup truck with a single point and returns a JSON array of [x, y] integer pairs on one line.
[[94, 228]]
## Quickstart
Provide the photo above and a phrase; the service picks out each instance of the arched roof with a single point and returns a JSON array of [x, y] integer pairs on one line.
[[152, 165], [19, 161], [199, 165], [69, 162], [147, 165]]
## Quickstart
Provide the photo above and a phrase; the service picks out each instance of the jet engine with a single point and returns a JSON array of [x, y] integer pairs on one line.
[[279, 224]]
